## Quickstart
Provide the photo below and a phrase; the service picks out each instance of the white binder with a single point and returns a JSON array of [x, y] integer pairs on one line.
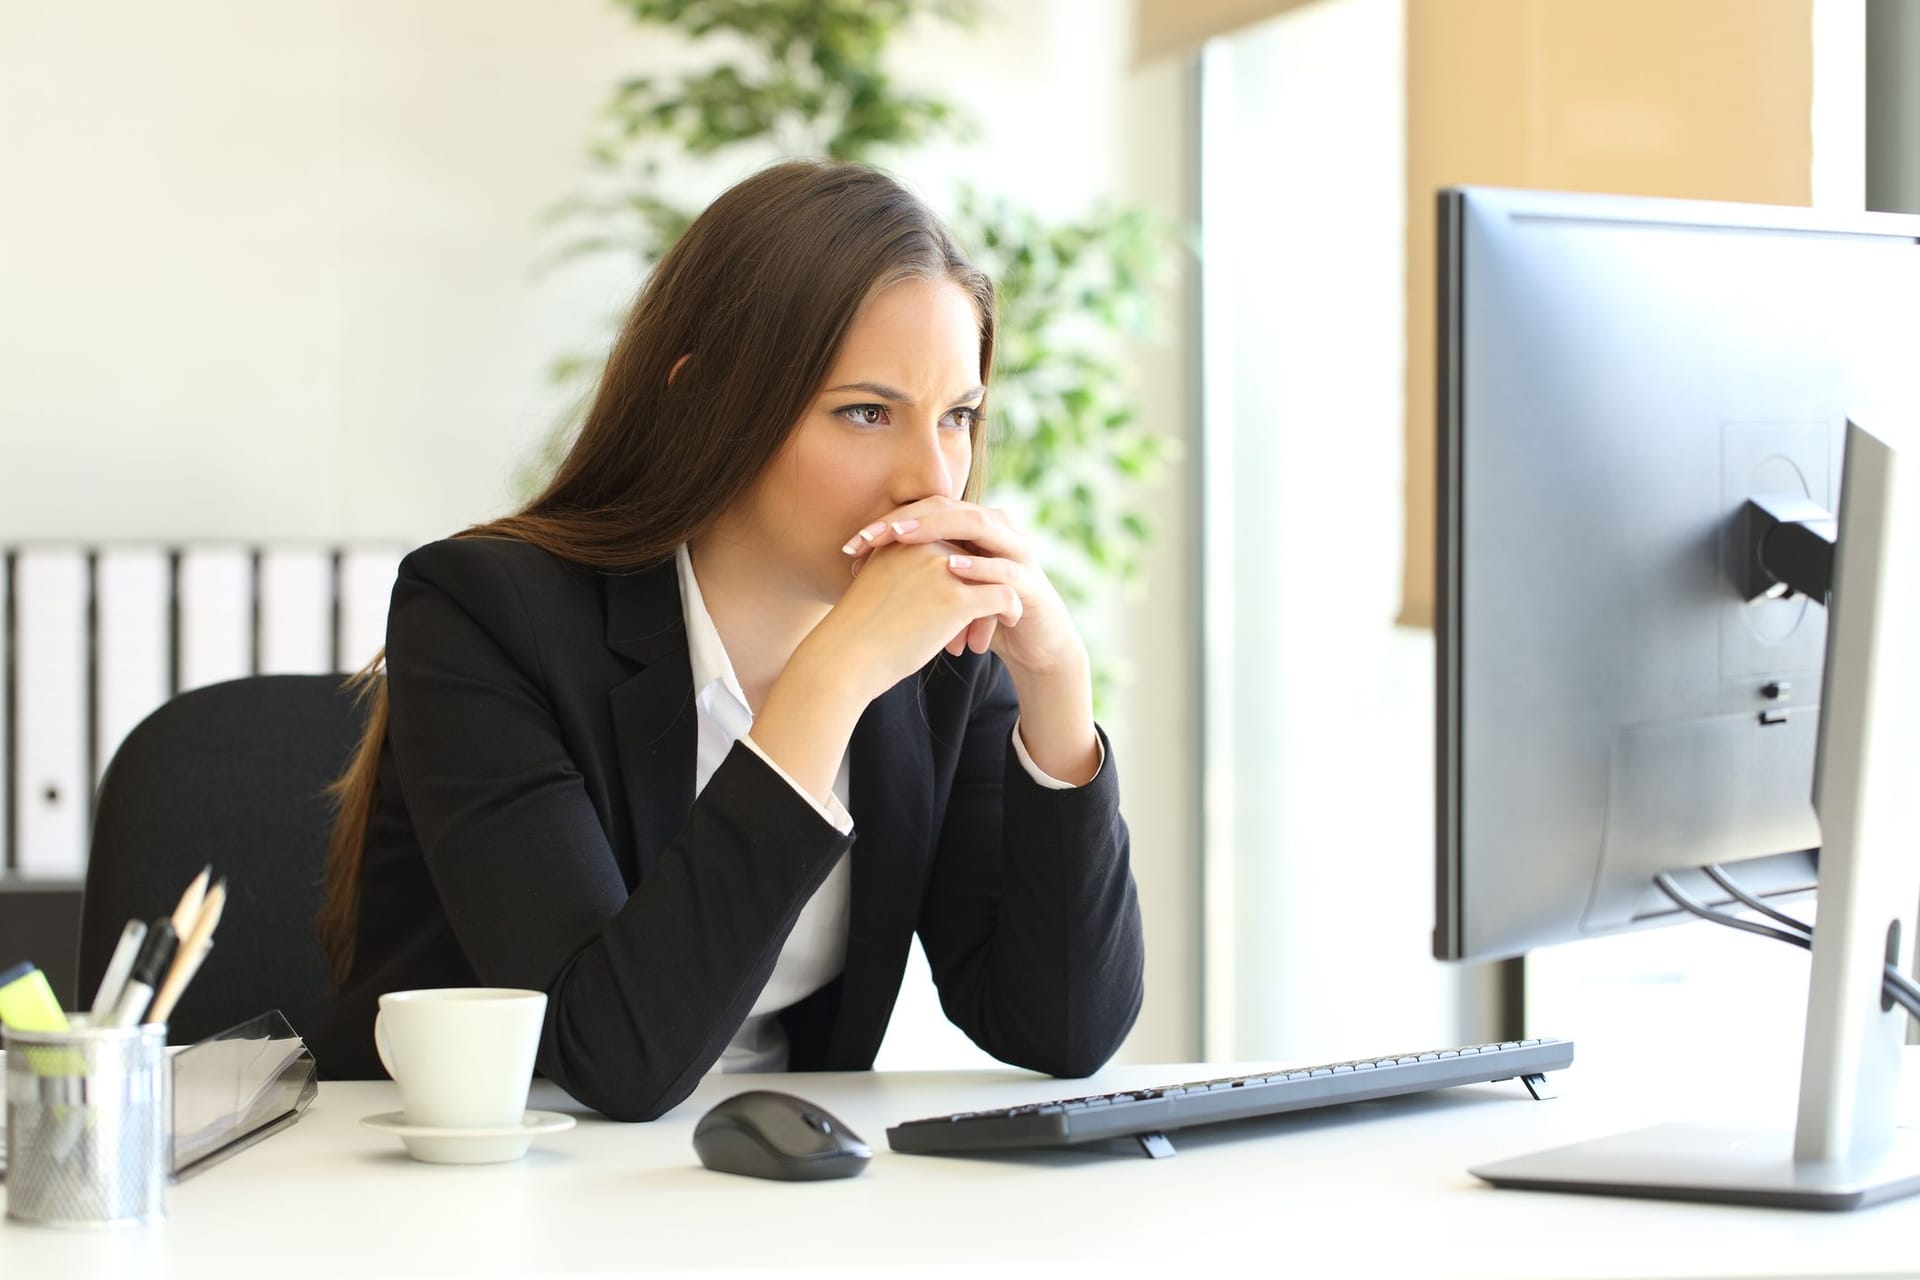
[[296, 611], [50, 779], [366, 587], [133, 589], [7, 712], [216, 615]]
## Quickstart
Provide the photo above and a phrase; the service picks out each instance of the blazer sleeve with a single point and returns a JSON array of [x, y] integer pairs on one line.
[[1031, 922], [644, 990]]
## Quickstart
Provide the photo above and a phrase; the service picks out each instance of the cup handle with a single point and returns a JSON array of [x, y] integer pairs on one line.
[[380, 1044]]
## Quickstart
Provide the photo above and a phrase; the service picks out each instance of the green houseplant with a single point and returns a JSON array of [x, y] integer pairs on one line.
[[808, 77]]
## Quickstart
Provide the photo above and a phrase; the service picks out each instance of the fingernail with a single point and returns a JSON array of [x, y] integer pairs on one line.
[[852, 548], [904, 527], [960, 562], [872, 531]]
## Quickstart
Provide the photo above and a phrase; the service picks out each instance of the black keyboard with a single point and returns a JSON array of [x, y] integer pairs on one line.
[[1147, 1114]]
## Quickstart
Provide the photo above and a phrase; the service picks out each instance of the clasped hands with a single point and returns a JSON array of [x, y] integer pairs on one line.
[[1010, 605]]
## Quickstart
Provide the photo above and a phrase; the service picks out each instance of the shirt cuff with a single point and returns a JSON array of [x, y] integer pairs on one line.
[[833, 811], [1040, 775]]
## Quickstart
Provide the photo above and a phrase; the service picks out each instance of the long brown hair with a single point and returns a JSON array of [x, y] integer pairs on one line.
[[758, 294]]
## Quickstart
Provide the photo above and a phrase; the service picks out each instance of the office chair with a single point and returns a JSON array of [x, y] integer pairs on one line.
[[230, 774]]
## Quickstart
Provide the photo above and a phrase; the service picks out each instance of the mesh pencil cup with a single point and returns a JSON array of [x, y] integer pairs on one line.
[[89, 1126]]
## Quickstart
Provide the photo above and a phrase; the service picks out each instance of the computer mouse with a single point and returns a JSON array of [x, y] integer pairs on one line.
[[763, 1134]]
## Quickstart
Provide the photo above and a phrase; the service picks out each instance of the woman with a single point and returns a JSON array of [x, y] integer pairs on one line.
[[698, 739]]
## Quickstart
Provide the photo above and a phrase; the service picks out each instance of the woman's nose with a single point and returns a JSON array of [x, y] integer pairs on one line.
[[924, 470]]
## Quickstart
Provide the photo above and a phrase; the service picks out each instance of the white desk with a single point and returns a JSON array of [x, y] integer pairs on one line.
[[1371, 1189]]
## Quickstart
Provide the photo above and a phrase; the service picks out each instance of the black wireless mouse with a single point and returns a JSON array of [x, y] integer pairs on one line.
[[763, 1134]]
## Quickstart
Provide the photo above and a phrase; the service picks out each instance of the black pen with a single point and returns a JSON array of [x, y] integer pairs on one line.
[[155, 954]]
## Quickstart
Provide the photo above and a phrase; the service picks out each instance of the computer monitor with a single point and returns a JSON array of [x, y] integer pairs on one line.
[[1633, 393]]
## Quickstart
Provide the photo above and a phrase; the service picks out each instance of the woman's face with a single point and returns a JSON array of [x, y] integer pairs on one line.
[[892, 426]]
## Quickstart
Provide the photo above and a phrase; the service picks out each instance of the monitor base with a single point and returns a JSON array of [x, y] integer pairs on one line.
[[1706, 1162]]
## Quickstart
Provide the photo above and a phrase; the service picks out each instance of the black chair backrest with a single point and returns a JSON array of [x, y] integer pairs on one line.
[[230, 775]]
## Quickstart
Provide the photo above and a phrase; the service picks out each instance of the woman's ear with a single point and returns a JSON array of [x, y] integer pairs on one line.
[[675, 371]]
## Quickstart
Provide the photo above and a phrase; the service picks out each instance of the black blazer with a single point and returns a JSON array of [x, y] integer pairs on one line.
[[534, 825]]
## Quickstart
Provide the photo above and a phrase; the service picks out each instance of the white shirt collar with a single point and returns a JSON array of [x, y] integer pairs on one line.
[[714, 682]]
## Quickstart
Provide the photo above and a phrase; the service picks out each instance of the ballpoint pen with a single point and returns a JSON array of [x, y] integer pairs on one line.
[[114, 982]]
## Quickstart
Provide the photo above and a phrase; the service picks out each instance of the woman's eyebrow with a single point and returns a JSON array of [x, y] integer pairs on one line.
[[885, 392]]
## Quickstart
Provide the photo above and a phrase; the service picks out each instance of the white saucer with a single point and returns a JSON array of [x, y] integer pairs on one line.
[[469, 1146]]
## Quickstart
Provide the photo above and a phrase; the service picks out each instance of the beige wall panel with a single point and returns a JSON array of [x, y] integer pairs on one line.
[[1707, 99], [1164, 27]]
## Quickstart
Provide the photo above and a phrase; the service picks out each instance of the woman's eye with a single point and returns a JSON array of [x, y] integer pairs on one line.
[[865, 415], [962, 419]]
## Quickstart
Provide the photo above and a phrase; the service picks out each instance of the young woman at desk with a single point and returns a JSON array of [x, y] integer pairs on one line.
[[696, 740]]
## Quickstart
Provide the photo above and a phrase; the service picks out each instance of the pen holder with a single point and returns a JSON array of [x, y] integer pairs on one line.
[[89, 1126]]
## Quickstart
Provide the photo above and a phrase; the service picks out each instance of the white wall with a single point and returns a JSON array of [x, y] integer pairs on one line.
[[267, 266], [1319, 876], [1839, 104], [266, 271]]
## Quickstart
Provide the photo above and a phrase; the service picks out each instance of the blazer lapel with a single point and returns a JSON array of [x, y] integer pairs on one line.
[[653, 714], [892, 784]]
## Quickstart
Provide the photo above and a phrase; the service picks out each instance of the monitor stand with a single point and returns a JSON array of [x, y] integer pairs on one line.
[[1844, 1151]]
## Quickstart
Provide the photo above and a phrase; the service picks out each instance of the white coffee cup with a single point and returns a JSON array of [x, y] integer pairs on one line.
[[463, 1056]]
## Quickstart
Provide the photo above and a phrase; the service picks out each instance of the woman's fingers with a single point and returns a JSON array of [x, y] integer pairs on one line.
[[941, 519], [988, 595], [991, 569], [987, 531], [879, 534], [1003, 577], [863, 542], [978, 636]]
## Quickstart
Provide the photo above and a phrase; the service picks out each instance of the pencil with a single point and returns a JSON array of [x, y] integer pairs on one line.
[[193, 950], [184, 967], [188, 911]]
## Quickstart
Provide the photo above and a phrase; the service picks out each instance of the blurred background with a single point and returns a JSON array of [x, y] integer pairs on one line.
[[286, 289]]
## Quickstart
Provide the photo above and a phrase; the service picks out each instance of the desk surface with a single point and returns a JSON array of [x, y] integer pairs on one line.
[[1365, 1189]]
